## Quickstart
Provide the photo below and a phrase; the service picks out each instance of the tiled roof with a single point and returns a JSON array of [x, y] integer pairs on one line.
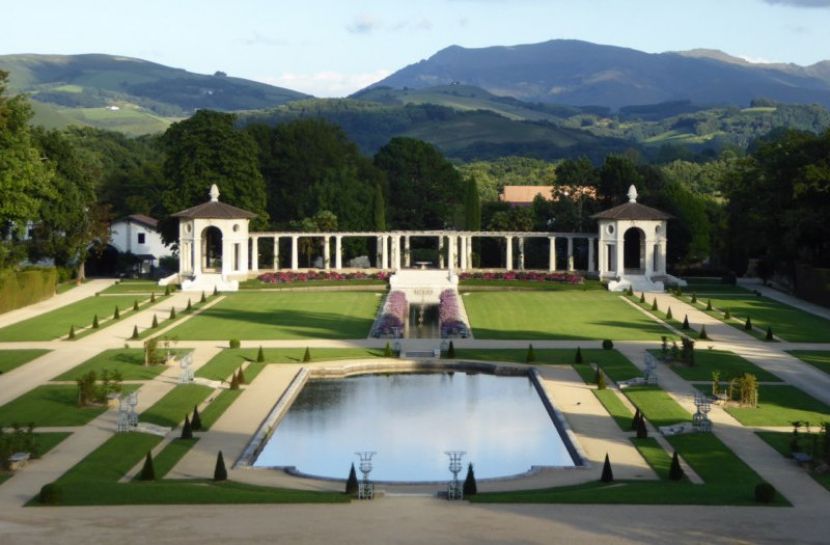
[[214, 210], [632, 211]]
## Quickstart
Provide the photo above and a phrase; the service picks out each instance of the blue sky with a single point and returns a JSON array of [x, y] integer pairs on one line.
[[332, 48]]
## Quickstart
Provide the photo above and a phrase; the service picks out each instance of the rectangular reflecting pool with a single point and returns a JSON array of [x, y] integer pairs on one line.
[[410, 420]]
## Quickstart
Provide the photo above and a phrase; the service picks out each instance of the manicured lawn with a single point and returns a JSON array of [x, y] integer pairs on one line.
[[557, 315], [171, 454], [658, 406], [781, 406], [93, 481], [789, 323], [172, 408], [255, 284], [819, 360], [588, 285], [728, 363], [46, 441], [51, 405], [134, 286], [56, 323], [129, 361], [780, 441], [9, 359], [227, 361], [657, 458], [615, 407], [279, 315]]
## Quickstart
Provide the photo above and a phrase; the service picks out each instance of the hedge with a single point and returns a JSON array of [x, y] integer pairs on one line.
[[21, 288]]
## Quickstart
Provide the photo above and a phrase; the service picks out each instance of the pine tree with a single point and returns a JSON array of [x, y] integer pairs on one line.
[[607, 473], [642, 431], [219, 472], [95, 321], [153, 297], [600, 379], [135, 333], [709, 304], [642, 297], [451, 351], [203, 299], [387, 350], [240, 377], [578, 357], [769, 336], [748, 324], [472, 205], [531, 355], [189, 307], [703, 335], [117, 314], [470, 485], [71, 332], [187, 429], [686, 322], [635, 422], [172, 313], [260, 355], [215, 290], [654, 304], [669, 314], [196, 421], [675, 471], [307, 355], [148, 472], [155, 321], [135, 304], [351, 483], [379, 209], [166, 290]]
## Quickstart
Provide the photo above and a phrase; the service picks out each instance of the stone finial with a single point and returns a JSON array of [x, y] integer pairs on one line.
[[214, 193], [632, 194]]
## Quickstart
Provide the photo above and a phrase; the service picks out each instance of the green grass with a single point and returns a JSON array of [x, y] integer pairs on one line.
[[729, 481], [657, 458], [789, 323], [728, 363], [279, 315], [218, 406], [93, 481], [196, 304], [51, 405], [172, 408], [781, 406], [129, 361], [10, 359], [557, 315], [529, 285], [227, 361], [658, 406], [615, 407], [56, 323], [134, 286], [170, 455], [819, 360], [780, 441], [255, 284], [46, 441], [662, 315]]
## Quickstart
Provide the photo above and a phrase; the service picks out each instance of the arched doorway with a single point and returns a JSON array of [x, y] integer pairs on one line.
[[634, 257], [211, 249]]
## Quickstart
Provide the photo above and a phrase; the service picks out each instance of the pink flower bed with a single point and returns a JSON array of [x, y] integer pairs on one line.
[[531, 276], [449, 315], [393, 316], [291, 277]]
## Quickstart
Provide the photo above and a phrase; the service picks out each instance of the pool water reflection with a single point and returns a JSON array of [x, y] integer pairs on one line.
[[410, 420]]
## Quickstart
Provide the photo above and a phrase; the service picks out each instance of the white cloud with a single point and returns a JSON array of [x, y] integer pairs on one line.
[[757, 60], [363, 24], [328, 83]]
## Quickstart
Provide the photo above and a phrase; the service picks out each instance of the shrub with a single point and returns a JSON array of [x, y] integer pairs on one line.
[[642, 297], [307, 355], [769, 336], [607, 473], [727, 315], [135, 333], [95, 321], [748, 324], [531, 355], [636, 420], [703, 335], [153, 297], [234, 384], [764, 493], [387, 350], [148, 472], [155, 322], [71, 332], [189, 306], [599, 379], [196, 421], [578, 357], [694, 298], [629, 291], [50, 494], [654, 304], [117, 314], [187, 429], [172, 313], [470, 486], [709, 304], [234, 343], [166, 290], [135, 304], [219, 472], [215, 290], [351, 482], [608, 344], [240, 377], [260, 356], [642, 430], [669, 314], [686, 322], [203, 299], [451, 351], [675, 471]]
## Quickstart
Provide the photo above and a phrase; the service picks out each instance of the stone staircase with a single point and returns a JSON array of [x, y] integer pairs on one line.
[[423, 285]]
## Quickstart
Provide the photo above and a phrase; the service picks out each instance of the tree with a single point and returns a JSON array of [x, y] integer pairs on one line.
[[470, 486], [351, 483], [599, 379], [219, 472], [578, 357], [607, 473], [451, 351], [615, 176], [260, 356], [642, 430], [379, 209], [635, 422], [675, 471], [148, 472], [472, 205], [307, 356]]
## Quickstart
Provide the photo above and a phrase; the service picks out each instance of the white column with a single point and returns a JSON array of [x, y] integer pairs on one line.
[[591, 255], [276, 253], [227, 256], [661, 258], [254, 254], [441, 252], [521, 253], [470, 252], [602, 258], [509, 254], [451, 252], [378, 249], [294, 259], [326, 252], [570, 254], [552, 254], [462, 240], [619, 255], [384, 252], [338, 252], [197, 255], [407, 252]]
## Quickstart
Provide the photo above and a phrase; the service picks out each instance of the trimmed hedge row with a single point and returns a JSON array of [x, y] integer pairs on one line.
[[21, 288]]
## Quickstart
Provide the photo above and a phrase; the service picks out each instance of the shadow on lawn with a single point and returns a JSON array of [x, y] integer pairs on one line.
[[618, 333], [286, 323]]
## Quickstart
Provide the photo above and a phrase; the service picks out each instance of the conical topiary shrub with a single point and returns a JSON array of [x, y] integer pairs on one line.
[[669, 314], [307, 355], [578, 357], [351, 483], [531, 355], [675, 471], [172, 313], [686, 322], [215, 290], [196, 421], [607, 473], [240, 377], [727, 314], [769, 336], [117, 314], [703, 335], [189, 307], [155, 323], [71, 332], [187, 429], [654, 304], [95, 321], [599, 379], [219, 472], [153, 297], [694, 298], [387, 350], [203, 299], [234, 385], [642, 297], [636, 420], [642, 430], [166, 290], [709, 304], [748, 324], [148, 472], [135, 333], [470, 485], [451, 351], [135, 304], [260, 356]]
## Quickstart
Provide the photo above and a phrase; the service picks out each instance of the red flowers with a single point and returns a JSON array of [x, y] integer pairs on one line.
[[531, 276], [291, 277]]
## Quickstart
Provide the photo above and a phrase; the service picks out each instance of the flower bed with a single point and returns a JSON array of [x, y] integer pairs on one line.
[[449, 316], [292, 277], [530, 276], [392, 317]]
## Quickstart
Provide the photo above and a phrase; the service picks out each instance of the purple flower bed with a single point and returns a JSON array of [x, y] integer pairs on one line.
[[393, 316], [291, 277], [449, 315], [531, 276]]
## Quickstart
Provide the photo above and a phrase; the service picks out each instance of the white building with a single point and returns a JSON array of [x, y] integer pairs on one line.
[[138, 234]]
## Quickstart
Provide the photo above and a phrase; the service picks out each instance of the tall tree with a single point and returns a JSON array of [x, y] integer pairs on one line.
[[617, 173], [472, 205], [379, 209]]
